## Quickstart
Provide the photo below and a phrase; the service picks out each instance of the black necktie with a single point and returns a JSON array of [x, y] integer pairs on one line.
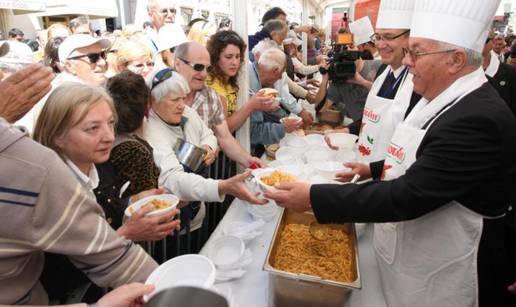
[[386, 90]]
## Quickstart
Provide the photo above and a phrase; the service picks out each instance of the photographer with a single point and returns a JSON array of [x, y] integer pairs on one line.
[[350, 80]]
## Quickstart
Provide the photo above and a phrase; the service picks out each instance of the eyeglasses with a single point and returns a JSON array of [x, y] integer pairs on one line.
[[170, 10], [142, 65], [92, 57], [387, 37], [198, 67], [161, 76], [415, 54]]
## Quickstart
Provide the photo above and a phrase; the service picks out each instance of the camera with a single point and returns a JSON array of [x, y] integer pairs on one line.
[[341, 60]]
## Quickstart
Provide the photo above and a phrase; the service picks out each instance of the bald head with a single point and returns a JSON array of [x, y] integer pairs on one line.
[[192, 61]]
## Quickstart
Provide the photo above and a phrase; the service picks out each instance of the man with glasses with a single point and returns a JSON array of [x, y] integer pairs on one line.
[[449, 173], [83, 59], [193, 63], [160, 12], [80, 25], [390, 96], [501, 76]]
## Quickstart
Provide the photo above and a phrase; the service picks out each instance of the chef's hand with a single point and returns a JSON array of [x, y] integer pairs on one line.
[[130, 295], [211, 154], [512, 288], [236, 186], [356, 169], [291, 195]]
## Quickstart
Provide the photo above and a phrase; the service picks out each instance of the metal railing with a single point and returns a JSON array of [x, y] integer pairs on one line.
[[192, 242]]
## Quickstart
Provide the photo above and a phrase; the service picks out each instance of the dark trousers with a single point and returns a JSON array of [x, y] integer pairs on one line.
[[497, 263]]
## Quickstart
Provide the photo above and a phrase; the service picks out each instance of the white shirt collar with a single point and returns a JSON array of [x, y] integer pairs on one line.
[[398, 71], [492, 68], [424, 109], [91, 181]]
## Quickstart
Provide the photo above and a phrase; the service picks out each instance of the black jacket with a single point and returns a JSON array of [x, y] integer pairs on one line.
[[504, 81], [466, 155]]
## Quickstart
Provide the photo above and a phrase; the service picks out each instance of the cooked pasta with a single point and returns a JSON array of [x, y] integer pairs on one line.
[[277, 177], [158, 204], [331, 258]]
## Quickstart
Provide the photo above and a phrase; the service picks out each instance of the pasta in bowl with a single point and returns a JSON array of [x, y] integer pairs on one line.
[[266, 178], [162, 203]]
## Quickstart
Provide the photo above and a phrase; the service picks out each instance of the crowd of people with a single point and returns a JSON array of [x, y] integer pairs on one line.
[[89, 121]]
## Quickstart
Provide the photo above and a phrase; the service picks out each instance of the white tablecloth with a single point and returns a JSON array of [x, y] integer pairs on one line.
[[252, 289]]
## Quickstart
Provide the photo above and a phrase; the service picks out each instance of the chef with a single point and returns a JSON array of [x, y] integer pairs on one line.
[[452, 170], [390, 95]]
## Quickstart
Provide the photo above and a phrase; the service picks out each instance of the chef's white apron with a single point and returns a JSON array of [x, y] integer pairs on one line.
[[432, 260], [381, 116]]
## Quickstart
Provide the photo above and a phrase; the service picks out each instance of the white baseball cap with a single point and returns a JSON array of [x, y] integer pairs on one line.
[[362, 30], [396, 14], [170, 36], [69, 46], [17, 53], [464, 24]]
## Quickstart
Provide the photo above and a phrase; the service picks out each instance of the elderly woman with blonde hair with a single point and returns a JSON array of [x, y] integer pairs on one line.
[[135, 56]]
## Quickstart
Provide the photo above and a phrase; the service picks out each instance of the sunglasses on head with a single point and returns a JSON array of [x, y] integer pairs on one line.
[[198, 67], [92, 57], [161, 76], [229, 36]]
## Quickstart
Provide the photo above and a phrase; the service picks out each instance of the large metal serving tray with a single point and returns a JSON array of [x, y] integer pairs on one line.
[[296, 289]]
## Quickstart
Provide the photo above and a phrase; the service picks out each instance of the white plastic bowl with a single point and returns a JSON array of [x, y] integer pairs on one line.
[[261, 172], [295, 141], [226, 251], [345, 155], [265, 212], [328, 169], [314, 140], [172, 200], [320, 154], [187, 270], [289, 155], [343, 140], [294, 169], [246, 231]]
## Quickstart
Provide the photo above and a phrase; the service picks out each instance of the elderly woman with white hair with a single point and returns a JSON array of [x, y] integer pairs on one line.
[[171, 120], [267, 69]]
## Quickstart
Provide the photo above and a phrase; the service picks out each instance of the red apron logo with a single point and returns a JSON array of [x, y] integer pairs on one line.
[[371, 115], [364, 151], [396, 152]]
